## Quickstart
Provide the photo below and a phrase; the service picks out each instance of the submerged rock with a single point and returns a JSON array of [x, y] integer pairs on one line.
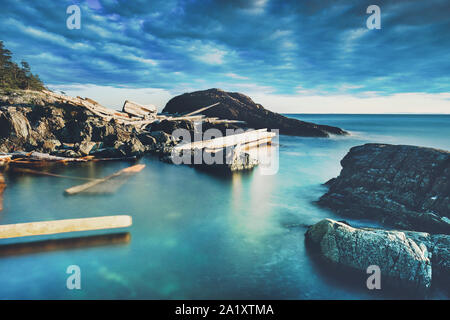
[[403, 186], [401, 259], [237, 106]]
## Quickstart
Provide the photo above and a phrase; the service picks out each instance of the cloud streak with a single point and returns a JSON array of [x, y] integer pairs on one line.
[[285, 48]]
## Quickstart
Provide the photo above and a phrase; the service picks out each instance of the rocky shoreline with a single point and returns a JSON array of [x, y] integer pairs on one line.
[[36, 121], [402, 187], [399, 186], [46, 122]]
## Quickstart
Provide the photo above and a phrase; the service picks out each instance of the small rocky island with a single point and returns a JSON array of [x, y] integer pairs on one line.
[[237, 106]]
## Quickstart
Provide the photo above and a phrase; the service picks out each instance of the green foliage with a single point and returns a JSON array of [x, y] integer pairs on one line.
[[14, 77]]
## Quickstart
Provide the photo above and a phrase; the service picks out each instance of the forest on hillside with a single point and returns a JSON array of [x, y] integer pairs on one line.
[[13, 76]]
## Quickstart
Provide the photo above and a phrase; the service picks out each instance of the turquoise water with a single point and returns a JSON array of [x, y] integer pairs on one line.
[[196, 235]]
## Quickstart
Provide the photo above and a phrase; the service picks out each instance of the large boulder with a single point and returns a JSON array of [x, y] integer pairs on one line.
[[237, 106], [14, 123], [402, 261], [402, 186]]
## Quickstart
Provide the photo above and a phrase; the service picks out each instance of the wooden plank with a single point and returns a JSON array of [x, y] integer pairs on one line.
[[63, 226], [246, 146], [91, 105], [217, 121], [85, 188], [138, 110], [191, 118], [38, 156], [201, 110], [228, 141], [37, 159]]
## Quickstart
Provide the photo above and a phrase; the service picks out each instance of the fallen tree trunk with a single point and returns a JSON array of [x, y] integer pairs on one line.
[[106, 185], [201, 109], [46, 157], [137, 110], [253, 137]]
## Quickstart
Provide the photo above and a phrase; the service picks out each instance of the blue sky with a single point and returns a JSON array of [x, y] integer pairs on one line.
[[291, 56]]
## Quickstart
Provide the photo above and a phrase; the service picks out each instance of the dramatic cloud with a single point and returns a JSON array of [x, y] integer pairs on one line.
[[282, 48]]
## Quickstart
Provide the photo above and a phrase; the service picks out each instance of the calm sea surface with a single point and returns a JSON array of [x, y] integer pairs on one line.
[[196, 235]]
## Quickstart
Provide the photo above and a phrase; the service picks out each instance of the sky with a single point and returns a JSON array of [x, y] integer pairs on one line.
[[309, 56]]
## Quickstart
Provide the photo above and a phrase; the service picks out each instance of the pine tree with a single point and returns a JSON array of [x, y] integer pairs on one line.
[[14, 77]]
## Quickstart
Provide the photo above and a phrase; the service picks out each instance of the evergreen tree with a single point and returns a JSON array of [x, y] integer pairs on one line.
[[14, 77]]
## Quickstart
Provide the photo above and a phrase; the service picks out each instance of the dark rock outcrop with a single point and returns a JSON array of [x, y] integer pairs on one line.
[[237, 106], [170, 126], [403, 257], [36, 121], [403, 186]]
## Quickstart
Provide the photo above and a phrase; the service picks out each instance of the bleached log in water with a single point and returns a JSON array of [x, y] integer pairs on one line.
[[252, 138], [63, 226], [108, 184]]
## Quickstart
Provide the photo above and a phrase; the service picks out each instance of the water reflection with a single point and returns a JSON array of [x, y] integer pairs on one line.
[[17, 249], [249, 212]]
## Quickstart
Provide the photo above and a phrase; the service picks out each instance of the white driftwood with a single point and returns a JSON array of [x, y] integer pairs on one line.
[[228, 141], [47, 157], [137, 110], [253, 137], [89, 187], [217, 121], [135, 114], [63, 226], [201, 110], [190, 118]]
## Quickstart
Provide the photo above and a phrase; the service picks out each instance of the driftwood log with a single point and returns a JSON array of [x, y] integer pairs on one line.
[[244, 140], [63, 226], [136, 110], [108, 184]]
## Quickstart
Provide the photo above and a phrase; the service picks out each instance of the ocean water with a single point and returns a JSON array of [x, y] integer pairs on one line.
[[197, 235]]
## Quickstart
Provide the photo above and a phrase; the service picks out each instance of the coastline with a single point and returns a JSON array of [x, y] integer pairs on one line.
[[212, 180]]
